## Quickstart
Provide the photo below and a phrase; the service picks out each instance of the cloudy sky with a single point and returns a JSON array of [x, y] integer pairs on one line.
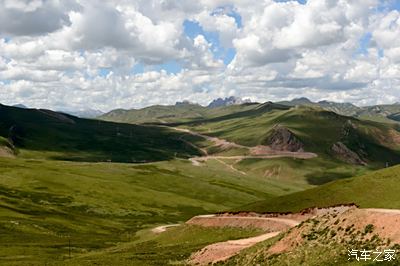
[[79, 54]]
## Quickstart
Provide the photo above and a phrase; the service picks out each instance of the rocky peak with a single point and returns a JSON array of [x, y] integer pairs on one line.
[[232, 100], [282, 139]]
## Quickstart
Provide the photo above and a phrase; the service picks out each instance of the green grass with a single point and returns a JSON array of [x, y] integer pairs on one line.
[[49, 135], [171, 247], [44, 204], [378, 189], [316, 128]]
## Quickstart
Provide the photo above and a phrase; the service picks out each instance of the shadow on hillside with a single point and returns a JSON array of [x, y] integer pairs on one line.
[[320, 178], [67, 137]]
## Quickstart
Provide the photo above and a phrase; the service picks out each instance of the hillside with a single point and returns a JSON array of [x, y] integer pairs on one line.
[[377, 189], [381, 113], [324, 132], [163, 114], [48, 134], [98, 207], [6, 148]]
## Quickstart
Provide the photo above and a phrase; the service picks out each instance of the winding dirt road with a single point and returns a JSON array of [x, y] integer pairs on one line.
[[224, 250], [163, 228], [257, 152]]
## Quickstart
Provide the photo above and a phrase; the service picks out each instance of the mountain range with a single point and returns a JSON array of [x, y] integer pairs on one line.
[[101, 191]]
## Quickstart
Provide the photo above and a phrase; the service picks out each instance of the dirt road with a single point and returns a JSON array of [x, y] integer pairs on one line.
[[257, 152], [163, 228], [224, 250]]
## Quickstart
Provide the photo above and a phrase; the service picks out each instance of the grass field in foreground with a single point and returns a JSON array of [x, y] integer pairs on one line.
[[46, 204], [379, 189]]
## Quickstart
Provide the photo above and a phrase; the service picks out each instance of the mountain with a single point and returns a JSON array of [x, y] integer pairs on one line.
[[20, 106], [359, 190], [164, 114], [156, 114], [381, 113], [84, 113], [48, 134], [232, 100], [297, 101], [320, 131], [385, 113], [95, 189], [348, 109]]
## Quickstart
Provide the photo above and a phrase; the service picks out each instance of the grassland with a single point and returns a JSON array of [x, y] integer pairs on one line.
[[59, 196], [316, 128], [172, 113], [49, 135], [378, 189], [47, 204]]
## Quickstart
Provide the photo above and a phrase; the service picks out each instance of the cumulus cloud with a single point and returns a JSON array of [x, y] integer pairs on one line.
[[33, 17], [86, 53]]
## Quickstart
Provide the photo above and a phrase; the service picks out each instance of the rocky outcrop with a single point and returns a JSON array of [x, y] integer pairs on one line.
[[227, 101], [342, 152], [282, 139], [6, 148]]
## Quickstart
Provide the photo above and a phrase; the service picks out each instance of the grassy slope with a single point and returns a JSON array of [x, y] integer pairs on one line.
[[46, 203], [172, 113], [44, 135], [318, 130], [171, 247], [378, 189]]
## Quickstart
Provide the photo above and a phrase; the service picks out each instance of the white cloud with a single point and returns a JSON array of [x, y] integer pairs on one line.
[[52, 52]]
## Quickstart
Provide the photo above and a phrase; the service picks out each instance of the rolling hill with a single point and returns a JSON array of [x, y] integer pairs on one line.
[[164, 114], [377, 189], [326, 133], [381, 113], [46, 134], [58, 196]]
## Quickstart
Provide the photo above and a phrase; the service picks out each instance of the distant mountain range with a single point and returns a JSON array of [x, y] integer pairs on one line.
[[20, 106], [383, 113], [189, 110], [186, 110], [232, 100], [84, 113]]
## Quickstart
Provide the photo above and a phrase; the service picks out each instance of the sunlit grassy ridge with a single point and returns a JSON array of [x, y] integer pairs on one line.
[[379, 189], [316, 128], [44, 204]]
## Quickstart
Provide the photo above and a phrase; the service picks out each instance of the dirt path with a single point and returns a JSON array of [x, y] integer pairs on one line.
[[224, 250], [257, 152], [163, 228], [387, 211]]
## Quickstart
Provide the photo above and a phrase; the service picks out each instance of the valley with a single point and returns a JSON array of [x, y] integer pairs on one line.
[[83, 192]]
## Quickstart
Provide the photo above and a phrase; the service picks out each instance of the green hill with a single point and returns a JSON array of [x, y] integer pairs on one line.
[[379, 189], [319, 130], [99, 206], [48, 134], [171, 113]]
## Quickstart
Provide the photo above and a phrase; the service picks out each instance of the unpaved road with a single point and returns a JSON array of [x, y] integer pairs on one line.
[[224, 250], [257, 152], [163, 228]]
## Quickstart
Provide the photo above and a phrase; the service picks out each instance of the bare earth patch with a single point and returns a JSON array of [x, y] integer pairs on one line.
[[257, 152], [386, 224]]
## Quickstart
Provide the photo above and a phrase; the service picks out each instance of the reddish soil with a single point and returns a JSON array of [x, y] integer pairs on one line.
[[386, 224]]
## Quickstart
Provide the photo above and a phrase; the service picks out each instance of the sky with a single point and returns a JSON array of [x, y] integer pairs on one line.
[[103, 55]]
